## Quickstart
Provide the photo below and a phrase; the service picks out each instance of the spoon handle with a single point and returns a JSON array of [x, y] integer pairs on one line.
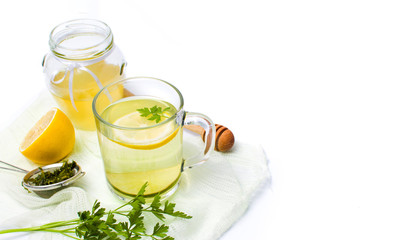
[[13, 168]]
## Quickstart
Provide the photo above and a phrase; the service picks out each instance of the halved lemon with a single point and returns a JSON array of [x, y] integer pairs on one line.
[[51, 139], [145, 138]]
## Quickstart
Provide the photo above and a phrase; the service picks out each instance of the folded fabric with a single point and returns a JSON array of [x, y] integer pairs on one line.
[[215, 193]]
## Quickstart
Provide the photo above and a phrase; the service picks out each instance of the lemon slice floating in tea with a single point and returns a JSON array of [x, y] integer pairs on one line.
[[144, 136]]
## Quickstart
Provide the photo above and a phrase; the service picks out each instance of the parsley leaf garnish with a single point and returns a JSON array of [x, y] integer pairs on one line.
[[154, 113]]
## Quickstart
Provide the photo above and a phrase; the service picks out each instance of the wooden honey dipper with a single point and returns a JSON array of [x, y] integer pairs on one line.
[[224, 139]]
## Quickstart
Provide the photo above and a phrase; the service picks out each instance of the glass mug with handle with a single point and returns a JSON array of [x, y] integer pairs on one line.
[[140, 132]]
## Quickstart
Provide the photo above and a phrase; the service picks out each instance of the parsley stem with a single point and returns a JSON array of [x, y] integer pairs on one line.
[[116, 209], [70, 236], [60, 223], [97, 223], [49, 227]]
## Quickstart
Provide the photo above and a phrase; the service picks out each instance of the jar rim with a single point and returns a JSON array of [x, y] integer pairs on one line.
[[79, 28]]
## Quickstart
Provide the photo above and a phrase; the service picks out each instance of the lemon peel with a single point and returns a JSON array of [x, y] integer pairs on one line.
[[51, 139]]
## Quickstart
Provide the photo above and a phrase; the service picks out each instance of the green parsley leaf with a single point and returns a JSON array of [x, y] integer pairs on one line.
[[160, 230], [154, 113], [101, 224]]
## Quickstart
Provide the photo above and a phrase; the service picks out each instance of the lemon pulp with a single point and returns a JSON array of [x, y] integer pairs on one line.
[[50, 139]]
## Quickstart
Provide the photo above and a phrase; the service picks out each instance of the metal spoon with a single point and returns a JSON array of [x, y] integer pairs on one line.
[[45, 191]]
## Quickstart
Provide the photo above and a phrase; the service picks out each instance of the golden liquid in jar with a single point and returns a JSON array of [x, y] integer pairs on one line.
[[84, 89]]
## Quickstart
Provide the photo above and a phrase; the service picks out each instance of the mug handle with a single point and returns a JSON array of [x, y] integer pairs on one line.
[[192, 118]]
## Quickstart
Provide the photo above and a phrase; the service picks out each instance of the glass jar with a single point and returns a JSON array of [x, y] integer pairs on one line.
[[83, 58]]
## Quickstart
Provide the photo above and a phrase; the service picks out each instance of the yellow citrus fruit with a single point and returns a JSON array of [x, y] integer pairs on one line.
[[148, 138], [51, 139]]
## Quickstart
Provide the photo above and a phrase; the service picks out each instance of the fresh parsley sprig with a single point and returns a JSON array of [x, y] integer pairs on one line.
[[154, 113], [101, 224]]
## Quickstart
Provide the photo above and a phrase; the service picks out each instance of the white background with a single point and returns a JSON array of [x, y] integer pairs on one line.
[[313, 82]]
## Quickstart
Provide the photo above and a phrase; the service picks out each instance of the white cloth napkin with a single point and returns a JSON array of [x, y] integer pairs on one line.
[[215, 193]]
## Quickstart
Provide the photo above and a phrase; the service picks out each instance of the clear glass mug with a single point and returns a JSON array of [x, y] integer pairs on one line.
[[140, 132]]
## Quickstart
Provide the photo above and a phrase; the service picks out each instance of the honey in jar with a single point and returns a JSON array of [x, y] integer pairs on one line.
[[83, 58]]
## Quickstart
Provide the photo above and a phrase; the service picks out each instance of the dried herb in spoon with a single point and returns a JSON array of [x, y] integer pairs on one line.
[[67, 170]]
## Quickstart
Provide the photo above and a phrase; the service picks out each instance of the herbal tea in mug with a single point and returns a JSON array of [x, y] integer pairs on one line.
[[153, 154], [141, 137]]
